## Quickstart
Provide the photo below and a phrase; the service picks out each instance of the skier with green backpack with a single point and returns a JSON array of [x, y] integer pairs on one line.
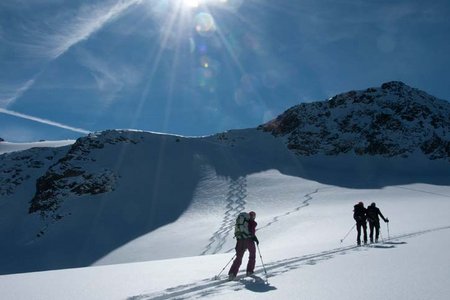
[[244, 231]]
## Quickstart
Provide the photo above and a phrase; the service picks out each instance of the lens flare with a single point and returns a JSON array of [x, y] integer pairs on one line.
[[207, 74], [204, 24]]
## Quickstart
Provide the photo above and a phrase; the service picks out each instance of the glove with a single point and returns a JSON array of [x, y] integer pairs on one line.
[[387, 220], [255, 239]]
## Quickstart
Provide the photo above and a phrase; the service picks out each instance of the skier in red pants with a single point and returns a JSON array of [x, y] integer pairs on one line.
[[245, 230]]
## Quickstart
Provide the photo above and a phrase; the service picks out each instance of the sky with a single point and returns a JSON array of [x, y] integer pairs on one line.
[[199, 67]]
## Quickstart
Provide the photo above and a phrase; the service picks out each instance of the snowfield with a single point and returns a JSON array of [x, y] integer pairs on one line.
[[300, 226]]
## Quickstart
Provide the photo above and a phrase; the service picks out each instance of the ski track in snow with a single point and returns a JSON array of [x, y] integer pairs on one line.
[[237, 192], [210, 286], [275, 219], [305, 203]]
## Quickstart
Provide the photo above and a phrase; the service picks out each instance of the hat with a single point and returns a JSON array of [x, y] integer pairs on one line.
[[252, 214]]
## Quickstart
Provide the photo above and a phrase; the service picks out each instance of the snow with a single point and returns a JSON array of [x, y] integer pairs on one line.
[[194, 188], [6, 147], [301, 224], [412, 269]]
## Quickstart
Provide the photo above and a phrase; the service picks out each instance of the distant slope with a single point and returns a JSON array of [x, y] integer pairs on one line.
[[6, 147]]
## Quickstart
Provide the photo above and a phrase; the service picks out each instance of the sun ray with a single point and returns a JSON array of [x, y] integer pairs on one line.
[[201, 17], [155, 59]]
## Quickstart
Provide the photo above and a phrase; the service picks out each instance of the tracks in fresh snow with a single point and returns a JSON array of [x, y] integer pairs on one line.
[[237, 192], [208, 287], [305, 203], [235, 204]]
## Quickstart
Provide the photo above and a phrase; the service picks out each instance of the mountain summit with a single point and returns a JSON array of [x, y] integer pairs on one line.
[[392, 120]]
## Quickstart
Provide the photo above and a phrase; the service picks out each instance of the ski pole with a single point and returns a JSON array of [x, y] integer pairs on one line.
[[262, 262], [218, 275], [348, 233], [389, 236]]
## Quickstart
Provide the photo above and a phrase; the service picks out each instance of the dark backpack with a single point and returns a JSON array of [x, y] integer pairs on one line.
[[241, 227], [359, 213]]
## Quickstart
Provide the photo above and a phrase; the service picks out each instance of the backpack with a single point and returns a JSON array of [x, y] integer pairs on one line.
[[359, 213], [241, 227]]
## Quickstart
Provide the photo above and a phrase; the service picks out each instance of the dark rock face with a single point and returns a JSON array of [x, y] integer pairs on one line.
[[393, 120], [15, 167], [74, 175]]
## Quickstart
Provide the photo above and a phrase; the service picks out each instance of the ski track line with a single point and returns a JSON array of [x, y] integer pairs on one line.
[[236, 195], [305, 203], [207, 287]]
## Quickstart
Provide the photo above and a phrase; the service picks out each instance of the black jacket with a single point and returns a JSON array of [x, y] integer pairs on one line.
[[372, 214]]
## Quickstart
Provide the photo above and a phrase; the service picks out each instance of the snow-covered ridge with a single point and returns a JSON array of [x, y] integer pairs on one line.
[[8, 147], [391, 120], [76, 174]]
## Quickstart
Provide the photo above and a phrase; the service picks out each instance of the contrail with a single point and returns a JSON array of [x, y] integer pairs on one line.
[[43, 121], [84, 25]]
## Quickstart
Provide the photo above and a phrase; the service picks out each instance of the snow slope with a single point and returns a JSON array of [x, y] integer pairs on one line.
[[6, 147], [304, 260], [103, 200]]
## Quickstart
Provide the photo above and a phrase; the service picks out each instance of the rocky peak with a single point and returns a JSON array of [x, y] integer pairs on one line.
[[394, 85], [72, 175], [392, 120]]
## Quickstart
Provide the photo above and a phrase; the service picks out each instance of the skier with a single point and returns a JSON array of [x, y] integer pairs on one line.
[[374, 222], [359, 214], [245, 234]]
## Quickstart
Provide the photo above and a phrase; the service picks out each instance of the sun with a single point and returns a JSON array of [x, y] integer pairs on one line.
[[198, 3], [192, 3]]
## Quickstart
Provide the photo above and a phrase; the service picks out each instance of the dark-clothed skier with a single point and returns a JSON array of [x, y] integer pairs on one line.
[[359, 214], [374, 222], [245, 234]]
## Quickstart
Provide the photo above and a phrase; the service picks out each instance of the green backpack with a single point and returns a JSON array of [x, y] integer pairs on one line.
[[241, 227]]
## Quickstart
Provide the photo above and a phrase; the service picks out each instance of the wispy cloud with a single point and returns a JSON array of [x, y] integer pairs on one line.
[[48, 37], [110, 76], [43, 121], [8, 94], [90, 18]]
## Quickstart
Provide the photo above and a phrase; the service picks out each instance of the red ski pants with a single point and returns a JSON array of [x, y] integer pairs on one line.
[[241, 246]]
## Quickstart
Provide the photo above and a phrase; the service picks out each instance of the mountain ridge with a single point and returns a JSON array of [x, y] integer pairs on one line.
[[392, 120]]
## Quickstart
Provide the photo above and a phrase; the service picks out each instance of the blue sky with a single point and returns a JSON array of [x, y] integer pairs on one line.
[[198, 67]]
